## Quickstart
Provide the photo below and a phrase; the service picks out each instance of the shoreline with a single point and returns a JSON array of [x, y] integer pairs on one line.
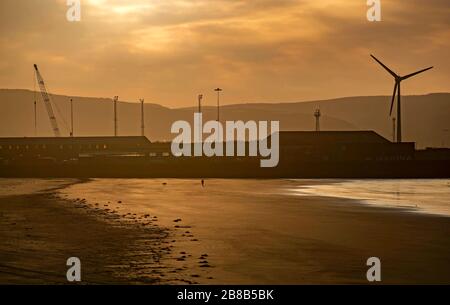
[[412, 205], [40, 231]]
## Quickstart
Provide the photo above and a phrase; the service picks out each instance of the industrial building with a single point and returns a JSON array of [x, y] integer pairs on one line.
[[301, 145], [312, 154], [342, 146]]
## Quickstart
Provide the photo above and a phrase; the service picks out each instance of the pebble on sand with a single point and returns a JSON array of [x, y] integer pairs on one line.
[[205, 266]]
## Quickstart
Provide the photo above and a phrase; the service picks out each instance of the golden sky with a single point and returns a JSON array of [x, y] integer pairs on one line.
[[168, 51]]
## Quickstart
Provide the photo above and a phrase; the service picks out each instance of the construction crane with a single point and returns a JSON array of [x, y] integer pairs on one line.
[[48, 104]]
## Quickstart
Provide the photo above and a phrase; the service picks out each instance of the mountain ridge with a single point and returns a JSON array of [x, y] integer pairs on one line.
[[94, 116]]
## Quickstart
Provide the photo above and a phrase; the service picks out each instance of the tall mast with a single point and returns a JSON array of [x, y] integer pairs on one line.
[[71, 117], [218, 90], [142, 118], [116, 98], [317, 115]]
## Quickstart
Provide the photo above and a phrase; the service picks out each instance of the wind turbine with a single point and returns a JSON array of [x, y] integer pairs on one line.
[[398, 80]]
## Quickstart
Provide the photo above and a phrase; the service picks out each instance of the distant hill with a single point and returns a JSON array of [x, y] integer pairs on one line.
[[426, 118]]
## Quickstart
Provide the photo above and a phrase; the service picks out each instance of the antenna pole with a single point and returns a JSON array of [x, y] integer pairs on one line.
[[142, 118], [200, 128], [116, 98], [218, 90], [71, 117], [35, 118], [317, 114], [200, 97]]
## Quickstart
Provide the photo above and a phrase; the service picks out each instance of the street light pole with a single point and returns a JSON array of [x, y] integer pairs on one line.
[[218, 90], [71, 117], [116, 98], [142, 118], [200, 97], [200, 128]]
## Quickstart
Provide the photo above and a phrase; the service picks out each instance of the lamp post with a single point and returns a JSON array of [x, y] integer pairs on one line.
[[200, 97], [200, 137], [71, 117], [218, 90], [116, 98], [142, 117]]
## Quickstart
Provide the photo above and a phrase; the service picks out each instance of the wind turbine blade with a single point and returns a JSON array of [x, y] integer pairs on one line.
[[415, 73], [386, 68], [393, 98]]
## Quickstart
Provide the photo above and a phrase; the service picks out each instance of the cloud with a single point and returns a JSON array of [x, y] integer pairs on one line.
[[265, 50]]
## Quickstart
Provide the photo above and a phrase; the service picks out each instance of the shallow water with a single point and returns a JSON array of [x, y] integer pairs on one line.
[[22, 186], [420, 195], [256, 231]]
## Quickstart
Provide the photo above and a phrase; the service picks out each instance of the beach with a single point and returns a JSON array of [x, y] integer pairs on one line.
[[39, 232], [174, 231]]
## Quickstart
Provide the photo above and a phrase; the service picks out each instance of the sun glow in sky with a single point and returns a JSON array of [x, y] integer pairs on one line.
[[121, 7], [168, 51]]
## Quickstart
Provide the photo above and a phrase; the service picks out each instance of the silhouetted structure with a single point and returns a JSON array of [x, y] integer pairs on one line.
[[342, 146], [71, 117], [200, 97], [218, 90], [317, 115], [47, 102], [142, 118], [303, 154], [116, 98], [65, 148], [398, 80], [393, 129]]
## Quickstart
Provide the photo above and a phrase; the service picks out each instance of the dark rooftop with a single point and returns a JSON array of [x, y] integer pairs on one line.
[[75, 140], [310, 137]]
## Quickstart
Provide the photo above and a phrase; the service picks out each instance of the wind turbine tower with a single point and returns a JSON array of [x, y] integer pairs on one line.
[[398, 79], [393, 129]]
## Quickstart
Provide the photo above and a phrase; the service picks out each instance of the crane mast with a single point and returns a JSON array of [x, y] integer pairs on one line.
[[48, 104]]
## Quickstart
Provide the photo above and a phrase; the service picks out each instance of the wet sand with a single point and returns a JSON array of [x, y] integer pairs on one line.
[[39, 232], [333, 239]]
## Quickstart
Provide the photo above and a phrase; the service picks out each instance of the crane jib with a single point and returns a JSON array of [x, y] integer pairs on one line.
[[47, 102]]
